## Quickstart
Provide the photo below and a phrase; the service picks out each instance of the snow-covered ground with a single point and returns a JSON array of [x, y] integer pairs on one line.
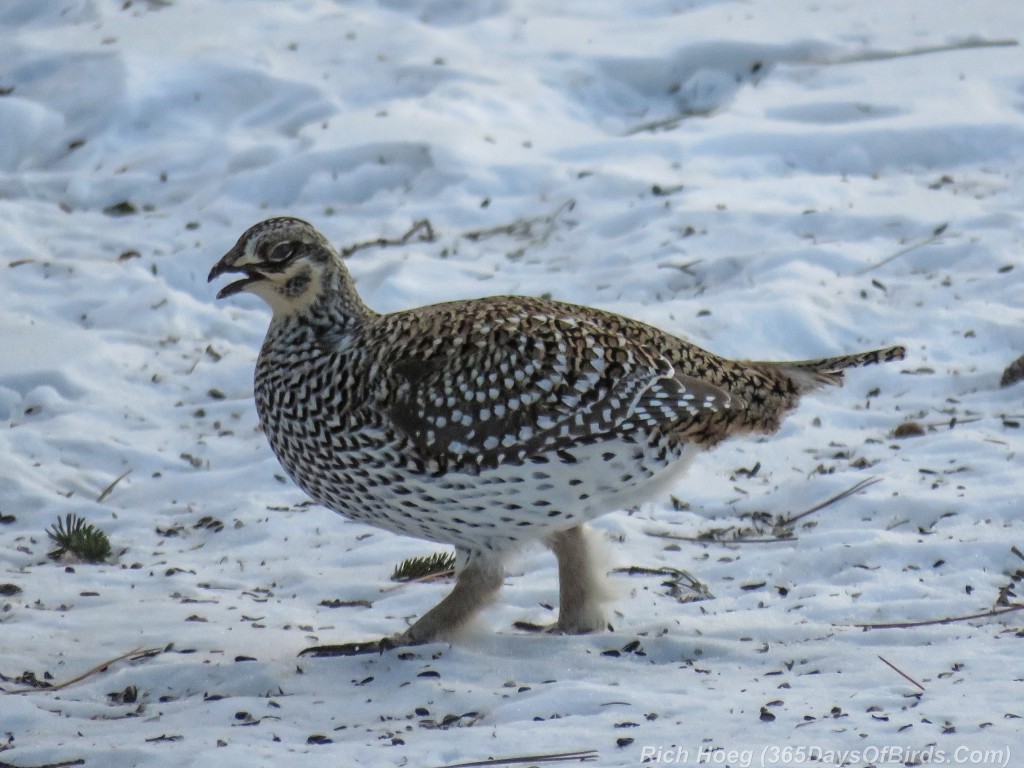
[[769, 178]]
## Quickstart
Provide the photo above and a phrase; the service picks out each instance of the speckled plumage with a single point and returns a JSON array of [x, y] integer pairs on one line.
[[489, 422]]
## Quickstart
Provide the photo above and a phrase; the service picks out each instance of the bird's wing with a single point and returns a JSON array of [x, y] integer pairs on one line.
[[510, 383]]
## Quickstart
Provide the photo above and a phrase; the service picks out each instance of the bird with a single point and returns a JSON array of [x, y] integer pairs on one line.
[[488, 423]]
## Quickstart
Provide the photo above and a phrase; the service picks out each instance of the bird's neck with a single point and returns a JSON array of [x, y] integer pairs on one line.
[[336, 311]]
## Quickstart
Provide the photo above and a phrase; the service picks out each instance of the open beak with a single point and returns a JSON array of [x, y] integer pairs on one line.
[[226, 265]]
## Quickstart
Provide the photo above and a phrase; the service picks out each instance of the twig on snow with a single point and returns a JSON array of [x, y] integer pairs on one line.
[[536, 230], [900, 672], [856, 488], [946, 620], [707, 540], [138, 653], [677, 582], [521, 227], [423, 228], [781, 527], [62, 764], [113, 485], [936, 235], [859, 57], [963, 45], [584, 756]]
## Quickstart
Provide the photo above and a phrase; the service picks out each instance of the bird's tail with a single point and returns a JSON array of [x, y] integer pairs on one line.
[[809, 375]]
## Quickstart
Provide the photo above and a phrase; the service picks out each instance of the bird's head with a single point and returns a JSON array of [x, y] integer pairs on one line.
[[285, 262]]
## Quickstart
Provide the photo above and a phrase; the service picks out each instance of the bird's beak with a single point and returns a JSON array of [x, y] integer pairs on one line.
[[228, 264]]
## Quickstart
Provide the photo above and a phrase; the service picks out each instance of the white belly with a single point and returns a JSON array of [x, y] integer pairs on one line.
[[505, 506]]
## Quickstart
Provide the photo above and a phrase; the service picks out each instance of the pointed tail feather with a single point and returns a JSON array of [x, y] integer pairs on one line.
[[809, 375]]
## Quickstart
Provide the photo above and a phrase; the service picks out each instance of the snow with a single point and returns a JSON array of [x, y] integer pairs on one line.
[[769, 178]]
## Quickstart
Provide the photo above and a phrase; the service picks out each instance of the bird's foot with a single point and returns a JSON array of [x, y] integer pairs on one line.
[[560, 628], [529, 626], [357, 649]]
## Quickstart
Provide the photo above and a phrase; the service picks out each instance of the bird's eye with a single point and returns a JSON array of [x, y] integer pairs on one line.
[[281, 252]]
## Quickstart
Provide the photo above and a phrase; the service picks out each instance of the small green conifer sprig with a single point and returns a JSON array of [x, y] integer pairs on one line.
[[437, 564], [73, 534]]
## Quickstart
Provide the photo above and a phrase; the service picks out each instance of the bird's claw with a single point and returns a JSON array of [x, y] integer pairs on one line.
[[357, 649]]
